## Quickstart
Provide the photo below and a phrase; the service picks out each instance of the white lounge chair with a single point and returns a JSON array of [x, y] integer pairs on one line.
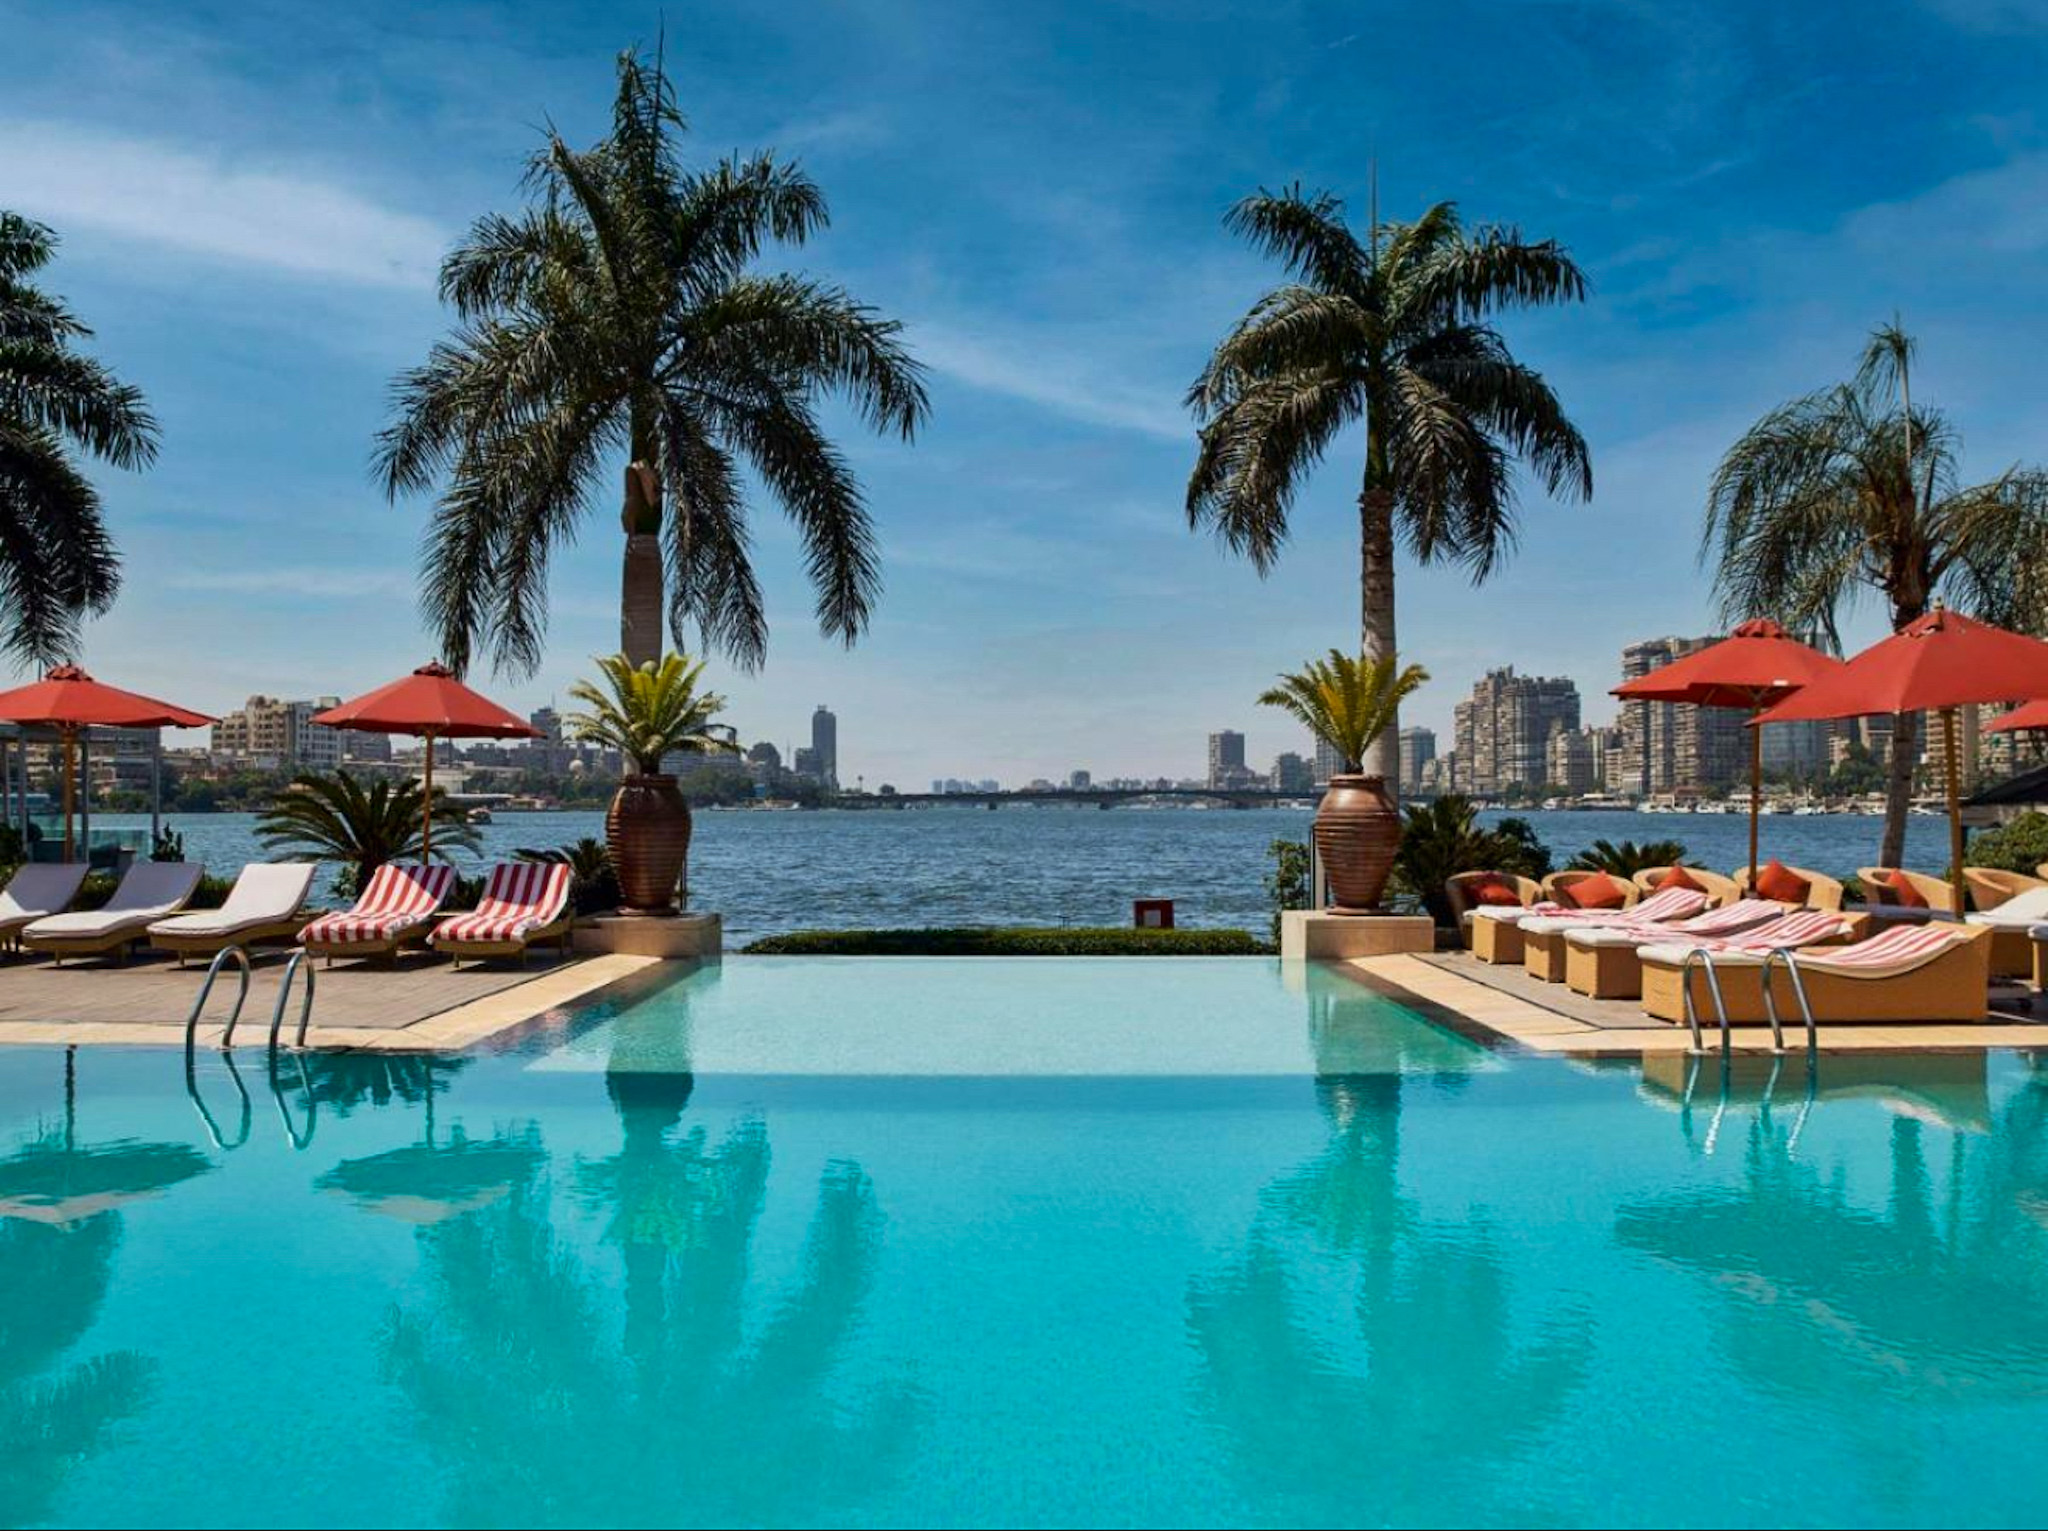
[[2012, 949], [36, 892], [263, 905], [151, 890]]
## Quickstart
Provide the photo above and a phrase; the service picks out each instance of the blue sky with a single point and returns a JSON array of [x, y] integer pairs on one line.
[[253, 198]]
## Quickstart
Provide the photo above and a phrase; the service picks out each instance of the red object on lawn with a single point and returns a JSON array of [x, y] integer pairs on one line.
[[68, 699], [1936, 663], [429, 704], [1757, 664]]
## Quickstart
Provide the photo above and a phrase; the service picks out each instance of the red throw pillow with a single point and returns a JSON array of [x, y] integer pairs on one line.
[[1780, 882], [1491, 890], [1903, 890], [1678, 877], [1596, 892]]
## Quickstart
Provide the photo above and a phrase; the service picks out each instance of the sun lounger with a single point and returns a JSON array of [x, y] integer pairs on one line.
[[1458, 891], [1720, 890], [35, 892], [1544, 931], [150, 891], [263, 905], [1493, 931], [1936, 972], [1604, 963], [2010, 924], [1990, 888], [1880, 888], [1822, 891], [523, 905], [396, 909]]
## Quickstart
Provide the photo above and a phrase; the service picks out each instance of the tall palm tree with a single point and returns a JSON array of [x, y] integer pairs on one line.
[[1852, 492], [618, 318], [1393, 331], [57, 563]]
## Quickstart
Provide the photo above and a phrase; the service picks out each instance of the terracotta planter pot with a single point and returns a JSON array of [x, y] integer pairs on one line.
[[647, 829], [1357, 831]]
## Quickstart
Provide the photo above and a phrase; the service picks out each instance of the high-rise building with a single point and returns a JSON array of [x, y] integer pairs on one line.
[[1291, 773], [1796, 750], [1226, 758], [1673, 746], [1418, 748], [1079, 781], [1574, 764], [1328, 762], [1503, 729], [269, 732], [825, 745], [805, 763]]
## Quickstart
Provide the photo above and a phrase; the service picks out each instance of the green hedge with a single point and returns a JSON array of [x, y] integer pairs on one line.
[[1012, 941]]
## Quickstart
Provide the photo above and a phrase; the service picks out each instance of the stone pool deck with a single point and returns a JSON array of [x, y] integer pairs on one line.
[[1504, 1003], [423, 1004]]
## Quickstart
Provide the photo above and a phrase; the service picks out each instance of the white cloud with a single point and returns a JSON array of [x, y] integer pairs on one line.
[[211, 202], [1040, 373], [309, 582]]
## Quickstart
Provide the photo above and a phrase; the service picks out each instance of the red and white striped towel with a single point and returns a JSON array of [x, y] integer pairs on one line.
[[1896, 946], [1671, 904], [520, 898], [398, 896], [1800, 928]]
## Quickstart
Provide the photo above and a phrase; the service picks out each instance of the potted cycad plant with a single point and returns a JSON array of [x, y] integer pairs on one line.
[[646, 713], [1347, 703]]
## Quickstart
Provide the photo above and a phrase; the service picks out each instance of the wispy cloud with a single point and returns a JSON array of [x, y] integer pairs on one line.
[[1041, 373], [212, 203], [305, 582]]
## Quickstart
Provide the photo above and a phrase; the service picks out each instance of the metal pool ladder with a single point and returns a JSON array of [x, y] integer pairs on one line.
[[293, 969], [1705, 958]]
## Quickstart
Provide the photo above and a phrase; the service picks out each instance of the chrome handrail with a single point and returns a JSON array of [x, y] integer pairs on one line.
[[206, 989], [1705, 958], [206, 1115], [284, 994], [1799, 992]]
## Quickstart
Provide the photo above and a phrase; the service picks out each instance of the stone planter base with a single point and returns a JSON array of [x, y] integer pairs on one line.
[[1312, 935], [675, 936]]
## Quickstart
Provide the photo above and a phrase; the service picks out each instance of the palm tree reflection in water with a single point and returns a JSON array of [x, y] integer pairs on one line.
[[1357, 1346], [704, 1407]]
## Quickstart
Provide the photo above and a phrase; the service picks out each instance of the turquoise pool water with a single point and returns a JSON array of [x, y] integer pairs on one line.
[[1018, 1243]]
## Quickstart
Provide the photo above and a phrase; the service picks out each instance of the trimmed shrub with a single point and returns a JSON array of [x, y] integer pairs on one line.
[[1012, 941], [2019, 846]]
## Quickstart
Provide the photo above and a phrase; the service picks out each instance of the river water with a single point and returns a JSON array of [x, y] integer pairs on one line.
[[769, 872]]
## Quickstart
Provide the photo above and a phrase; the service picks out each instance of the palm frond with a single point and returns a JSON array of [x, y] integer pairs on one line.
[[1346, 702], [648, 711]]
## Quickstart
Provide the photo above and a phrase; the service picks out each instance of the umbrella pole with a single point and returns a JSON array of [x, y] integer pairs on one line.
[[1955, 807], [427, 799], [70, 785], [1756, 784]]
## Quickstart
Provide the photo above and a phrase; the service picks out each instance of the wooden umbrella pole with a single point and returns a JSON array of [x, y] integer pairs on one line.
[[1756, 784], [427, 806], [1955, 806], [70, 785]]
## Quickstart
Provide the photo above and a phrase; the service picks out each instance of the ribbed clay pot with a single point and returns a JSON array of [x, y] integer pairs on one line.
[[647, 829], [1357, 831]]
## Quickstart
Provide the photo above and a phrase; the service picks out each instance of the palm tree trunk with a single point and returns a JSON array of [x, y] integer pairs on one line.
[[641, 595], [1898, 786], [1376, 624]]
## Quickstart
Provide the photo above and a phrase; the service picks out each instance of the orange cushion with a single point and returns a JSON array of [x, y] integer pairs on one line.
[[1678, 877], [1492, 890], [1596, 892], [1903, 890], [1780, 882]]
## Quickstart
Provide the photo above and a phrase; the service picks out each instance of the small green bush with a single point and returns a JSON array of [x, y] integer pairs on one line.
[[1012, 941], [98, 887], [2019, 846]]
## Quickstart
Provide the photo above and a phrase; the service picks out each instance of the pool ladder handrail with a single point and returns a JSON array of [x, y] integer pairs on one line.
[[292, 970], [241, 956], [1705, 957], [1791, 960]]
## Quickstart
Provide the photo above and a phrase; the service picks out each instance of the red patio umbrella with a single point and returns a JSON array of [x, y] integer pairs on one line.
[[68, 699], [1757, 664], [429, 704], [1938, 663], [2021, 719]]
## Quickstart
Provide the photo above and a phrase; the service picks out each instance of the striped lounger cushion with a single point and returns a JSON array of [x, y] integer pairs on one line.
[[1730, 923], [1899, 949], [398, 896], [1671, 904], [519, 899]]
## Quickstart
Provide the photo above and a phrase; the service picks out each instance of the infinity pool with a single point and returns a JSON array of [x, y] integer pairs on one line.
[[1000, 1243]]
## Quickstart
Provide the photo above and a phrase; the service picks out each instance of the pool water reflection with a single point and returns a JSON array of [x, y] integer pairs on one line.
[[1251, 1248]]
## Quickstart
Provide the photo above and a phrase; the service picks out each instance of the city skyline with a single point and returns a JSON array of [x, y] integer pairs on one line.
[[252, 232]]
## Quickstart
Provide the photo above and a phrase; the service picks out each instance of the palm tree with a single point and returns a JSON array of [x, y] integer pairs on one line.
[[364, 825], [57, 563], [1344, 702], [1626, 858], [1850, 492], [650, 710], [1393, 331], [619, 317]]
